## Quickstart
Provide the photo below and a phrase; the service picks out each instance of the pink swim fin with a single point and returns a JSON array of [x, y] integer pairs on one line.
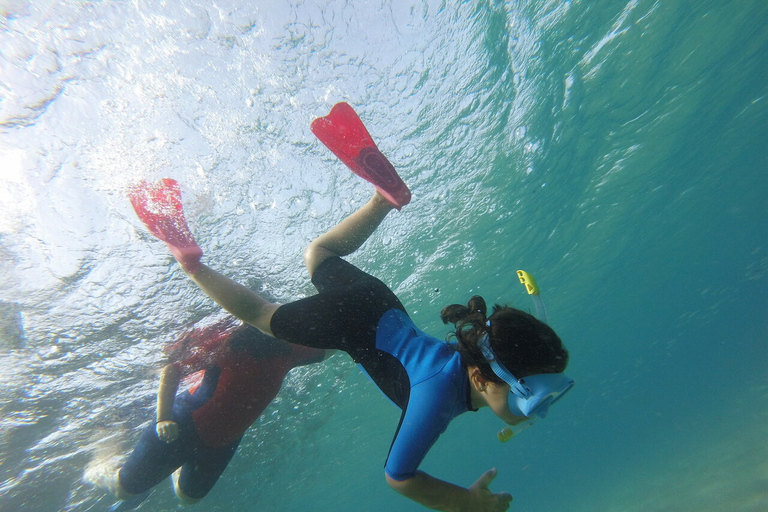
[[344, 134], [158, 205]]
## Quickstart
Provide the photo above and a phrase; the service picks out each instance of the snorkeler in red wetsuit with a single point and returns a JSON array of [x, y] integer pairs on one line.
[[198, 432]]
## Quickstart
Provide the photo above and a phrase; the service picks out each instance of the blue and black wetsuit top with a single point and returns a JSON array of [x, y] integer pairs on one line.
[[438, 390], [422, 375]]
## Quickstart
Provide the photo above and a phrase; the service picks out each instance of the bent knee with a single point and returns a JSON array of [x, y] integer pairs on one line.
[[314, 255], [183, 498], [117, 488], [186, 500]]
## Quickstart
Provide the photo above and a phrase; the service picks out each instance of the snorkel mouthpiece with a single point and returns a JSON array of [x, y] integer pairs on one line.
[[532, 396], [508, 433]]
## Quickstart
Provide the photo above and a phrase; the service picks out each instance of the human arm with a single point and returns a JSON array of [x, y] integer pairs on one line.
[[167, 429], [444, 496], [430, 408]]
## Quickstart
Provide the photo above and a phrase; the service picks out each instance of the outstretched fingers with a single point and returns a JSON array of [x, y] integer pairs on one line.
[[489, 501], [486, 478]]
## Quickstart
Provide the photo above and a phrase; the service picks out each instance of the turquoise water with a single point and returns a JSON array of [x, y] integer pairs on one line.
[[616, 151]]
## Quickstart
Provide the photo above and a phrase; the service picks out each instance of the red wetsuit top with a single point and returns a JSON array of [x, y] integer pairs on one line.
[[243, 371]]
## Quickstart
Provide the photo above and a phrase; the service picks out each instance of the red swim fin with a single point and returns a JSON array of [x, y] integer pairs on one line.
[[344, 134], [158, 205]]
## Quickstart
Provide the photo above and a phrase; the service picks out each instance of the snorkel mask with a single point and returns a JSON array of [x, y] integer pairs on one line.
[[533, 395]]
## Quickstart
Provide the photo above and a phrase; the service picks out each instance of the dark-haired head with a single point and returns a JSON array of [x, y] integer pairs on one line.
[[524, 345]]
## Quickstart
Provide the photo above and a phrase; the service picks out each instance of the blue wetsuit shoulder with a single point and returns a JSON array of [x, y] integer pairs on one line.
[[438, 390]]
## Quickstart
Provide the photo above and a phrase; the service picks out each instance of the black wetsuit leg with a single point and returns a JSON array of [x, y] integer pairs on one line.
[[344, 315]]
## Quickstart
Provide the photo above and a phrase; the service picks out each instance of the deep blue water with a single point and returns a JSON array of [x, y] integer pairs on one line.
[[616, 150]]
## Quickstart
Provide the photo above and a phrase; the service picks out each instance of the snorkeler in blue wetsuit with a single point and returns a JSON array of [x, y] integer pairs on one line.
[[508, 361]]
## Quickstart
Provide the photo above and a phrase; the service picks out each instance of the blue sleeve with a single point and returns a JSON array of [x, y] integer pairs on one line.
[[427, 416]]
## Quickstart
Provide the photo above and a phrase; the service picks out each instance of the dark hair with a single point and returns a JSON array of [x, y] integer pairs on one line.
[[247, 339], [200, 339], [522, 343], [227, 334]]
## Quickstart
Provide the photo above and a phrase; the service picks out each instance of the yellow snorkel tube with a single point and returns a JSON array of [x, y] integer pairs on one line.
[[540, 312], [532, 288]]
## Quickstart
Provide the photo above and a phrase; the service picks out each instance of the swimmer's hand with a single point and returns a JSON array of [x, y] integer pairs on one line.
[[167, 430], [446, 497], [483, 496]]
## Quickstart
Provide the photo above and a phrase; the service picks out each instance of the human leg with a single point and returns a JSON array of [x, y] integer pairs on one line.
[[240, 301], [159, 207], [183, 498], [344, 134], [151, 461], [348, 235], [341, 240], [195, 479], [118, 490], [343, 315]]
